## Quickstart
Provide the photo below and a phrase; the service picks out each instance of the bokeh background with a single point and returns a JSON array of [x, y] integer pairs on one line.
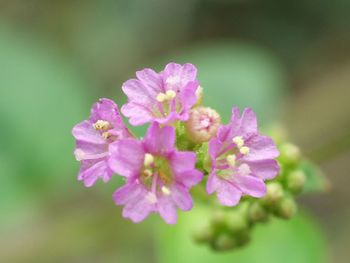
[[289, 60]]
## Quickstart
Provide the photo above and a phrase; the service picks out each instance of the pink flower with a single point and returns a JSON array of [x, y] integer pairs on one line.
[[161, 97], [158, 176], [93, 137], [241, 159]]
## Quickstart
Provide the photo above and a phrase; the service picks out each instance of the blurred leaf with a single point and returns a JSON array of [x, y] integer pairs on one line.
[[297, 240], [42, 96], [237, 74], [316, 180]]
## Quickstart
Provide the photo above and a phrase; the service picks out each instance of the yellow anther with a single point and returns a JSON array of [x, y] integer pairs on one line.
[[244, 150], [231, 160], [170, 94], [149, 159], [106, 135], [101, 125], [238, 140], [161, 97], [165, 190], [147, 172]]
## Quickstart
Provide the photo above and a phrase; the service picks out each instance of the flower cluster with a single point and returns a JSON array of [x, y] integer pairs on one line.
[[161, 168]]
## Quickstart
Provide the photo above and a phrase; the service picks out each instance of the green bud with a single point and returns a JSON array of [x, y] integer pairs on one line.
[[296, 180], [204, 234], [219, 218], [257, 213], [287, 208], [274, 193], [236, 222], [224, 242], [290, 153]]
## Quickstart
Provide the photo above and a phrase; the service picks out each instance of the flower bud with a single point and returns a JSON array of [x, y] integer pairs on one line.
[[274, 193], [219, 218], [287, 208], [236, 222], [202, 124], [296, 180], [224, 242], [257, 213], [204, 234], [290, 153]]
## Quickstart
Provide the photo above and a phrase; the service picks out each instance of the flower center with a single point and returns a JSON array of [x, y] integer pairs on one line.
[[229, 160], [103, 126], [156, 173]]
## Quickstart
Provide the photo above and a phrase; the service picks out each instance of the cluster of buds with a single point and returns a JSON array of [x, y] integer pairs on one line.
[[227, 229], [186, 146]]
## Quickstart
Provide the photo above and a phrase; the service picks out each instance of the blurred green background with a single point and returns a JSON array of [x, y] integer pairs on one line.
[[289, 60]]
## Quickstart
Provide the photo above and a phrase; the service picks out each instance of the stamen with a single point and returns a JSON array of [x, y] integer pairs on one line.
[[105, 135], [238, 140], [161, 97], [147, 172], [101, 125], [149, 159], [244, 150], [170, 94], [231, 160], [165, 190]]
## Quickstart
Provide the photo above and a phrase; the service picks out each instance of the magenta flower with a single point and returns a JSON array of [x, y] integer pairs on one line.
[[158, 176], [93, 137], [161, 97], [241, 159]]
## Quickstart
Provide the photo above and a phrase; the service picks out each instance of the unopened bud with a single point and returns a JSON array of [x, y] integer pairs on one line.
[[257, 213], [224, 242], [287, 208], [236, 222], [290, 153], [296, 180], [204, 234], [219, 218], [274, 193], [202, 124]]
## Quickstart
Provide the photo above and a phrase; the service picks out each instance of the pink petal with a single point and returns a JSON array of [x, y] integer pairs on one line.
[[228, 194], [250, 185], [126, 157], [91, 171], [138, 92], [261, 148], [182, 161], [248, 122], [84, 131], [181, 197], [159, 140], [106, 109], [151, 80], [264, 169], [138, 114], [167, 210], [189, 178]]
